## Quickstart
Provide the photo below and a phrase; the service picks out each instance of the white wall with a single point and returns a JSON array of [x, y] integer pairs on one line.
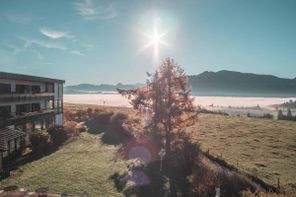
[[59, 119]]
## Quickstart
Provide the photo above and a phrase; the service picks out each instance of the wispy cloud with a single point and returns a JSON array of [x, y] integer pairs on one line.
[[54, 34], [91, 11], [86, 45], [23, 20], [28, 42], [44, 44], [16, 50], [79, 53]]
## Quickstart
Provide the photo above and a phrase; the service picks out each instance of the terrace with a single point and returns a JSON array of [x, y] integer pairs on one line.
[[16, 97], [30, 116]]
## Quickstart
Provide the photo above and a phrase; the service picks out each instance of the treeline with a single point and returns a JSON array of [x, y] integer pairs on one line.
[[289, 105], [288, 116]]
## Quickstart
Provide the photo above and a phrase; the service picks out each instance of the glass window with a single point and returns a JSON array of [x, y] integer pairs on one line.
[[23, 89], [5, 88], [36, 89]]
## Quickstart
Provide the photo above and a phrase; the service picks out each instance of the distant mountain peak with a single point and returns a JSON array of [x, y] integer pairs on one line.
[[233, 83]]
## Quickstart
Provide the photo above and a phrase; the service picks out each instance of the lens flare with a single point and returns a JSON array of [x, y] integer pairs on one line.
[[155, 39]]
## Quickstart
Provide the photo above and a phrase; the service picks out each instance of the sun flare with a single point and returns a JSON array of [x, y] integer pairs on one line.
[[154, 40]]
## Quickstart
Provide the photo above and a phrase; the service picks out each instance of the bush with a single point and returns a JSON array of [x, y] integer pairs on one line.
[[39, 141], [116, 133], [181, 162], [102, 117], [117, 120], [267, 116], [89, 112], [71, 128], [69, 115], [58, 135], [81, 129]]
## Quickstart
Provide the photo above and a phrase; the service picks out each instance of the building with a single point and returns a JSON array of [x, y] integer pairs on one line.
[[27, 104]]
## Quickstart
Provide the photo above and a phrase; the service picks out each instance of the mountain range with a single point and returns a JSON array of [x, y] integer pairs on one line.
[[221, 83]]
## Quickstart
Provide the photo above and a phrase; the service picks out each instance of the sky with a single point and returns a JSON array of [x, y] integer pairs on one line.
[[111, 41]]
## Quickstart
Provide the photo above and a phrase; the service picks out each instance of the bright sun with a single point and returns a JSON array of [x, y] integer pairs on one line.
[[154, 40]]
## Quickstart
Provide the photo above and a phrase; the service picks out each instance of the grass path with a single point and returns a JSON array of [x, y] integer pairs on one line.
[[85, 164]]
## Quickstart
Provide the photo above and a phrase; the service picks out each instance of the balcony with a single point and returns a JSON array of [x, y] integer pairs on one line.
[[15, 97], [30, 116]]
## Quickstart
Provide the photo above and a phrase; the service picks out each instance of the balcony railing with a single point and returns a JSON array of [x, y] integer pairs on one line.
[[15, 97], [30, 116]]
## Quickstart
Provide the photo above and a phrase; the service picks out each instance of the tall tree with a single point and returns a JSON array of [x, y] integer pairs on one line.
[[166, 100], [289, 114]]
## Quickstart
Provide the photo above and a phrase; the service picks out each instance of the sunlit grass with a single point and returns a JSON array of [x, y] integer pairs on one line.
[[264, 148], [82, 165]]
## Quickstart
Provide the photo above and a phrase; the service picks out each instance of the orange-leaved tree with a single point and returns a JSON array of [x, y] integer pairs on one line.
[[165, 100]]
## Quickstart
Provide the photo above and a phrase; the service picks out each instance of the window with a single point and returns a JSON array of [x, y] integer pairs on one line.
[[36, 89], [20, 109], [50, 104], [22, 89], [5, 111], [49, 88], [5, 88], [35, 107]]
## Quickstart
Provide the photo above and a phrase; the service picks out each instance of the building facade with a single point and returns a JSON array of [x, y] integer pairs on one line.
[[27, 104]]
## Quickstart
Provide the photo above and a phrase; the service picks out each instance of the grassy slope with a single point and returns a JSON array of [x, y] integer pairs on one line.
[[266, 148], [82, 165]]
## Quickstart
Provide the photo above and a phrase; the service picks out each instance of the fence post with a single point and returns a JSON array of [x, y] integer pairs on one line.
[[237, 163], [221, 156], [278, 182]]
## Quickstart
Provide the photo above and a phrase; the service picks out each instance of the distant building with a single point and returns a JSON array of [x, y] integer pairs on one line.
[[27, 103]]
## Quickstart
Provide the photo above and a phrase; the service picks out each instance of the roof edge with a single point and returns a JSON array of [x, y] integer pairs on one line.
[[15, 76]]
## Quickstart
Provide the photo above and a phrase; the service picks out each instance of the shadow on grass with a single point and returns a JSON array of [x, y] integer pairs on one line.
[[205, 178], [119, 180], [37, 155], [147, 182], [110, 124]]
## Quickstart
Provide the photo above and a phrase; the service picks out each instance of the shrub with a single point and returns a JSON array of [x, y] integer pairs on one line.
[[58, 135], [117, 120], [116, 133], [69, 115], [181, 162], [81, 128], [102, 117], [268, 116], [39, 141], [89, 112], [71, 128]]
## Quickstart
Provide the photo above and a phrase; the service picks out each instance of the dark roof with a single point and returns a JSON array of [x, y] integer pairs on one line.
[[13, 76], [7, 134]]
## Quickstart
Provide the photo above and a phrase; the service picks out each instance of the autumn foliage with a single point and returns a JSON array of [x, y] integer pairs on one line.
[[165, 102], [167, 109]]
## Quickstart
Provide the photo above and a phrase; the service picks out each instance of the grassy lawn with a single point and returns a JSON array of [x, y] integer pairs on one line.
[[85, 164], [266, 148]]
